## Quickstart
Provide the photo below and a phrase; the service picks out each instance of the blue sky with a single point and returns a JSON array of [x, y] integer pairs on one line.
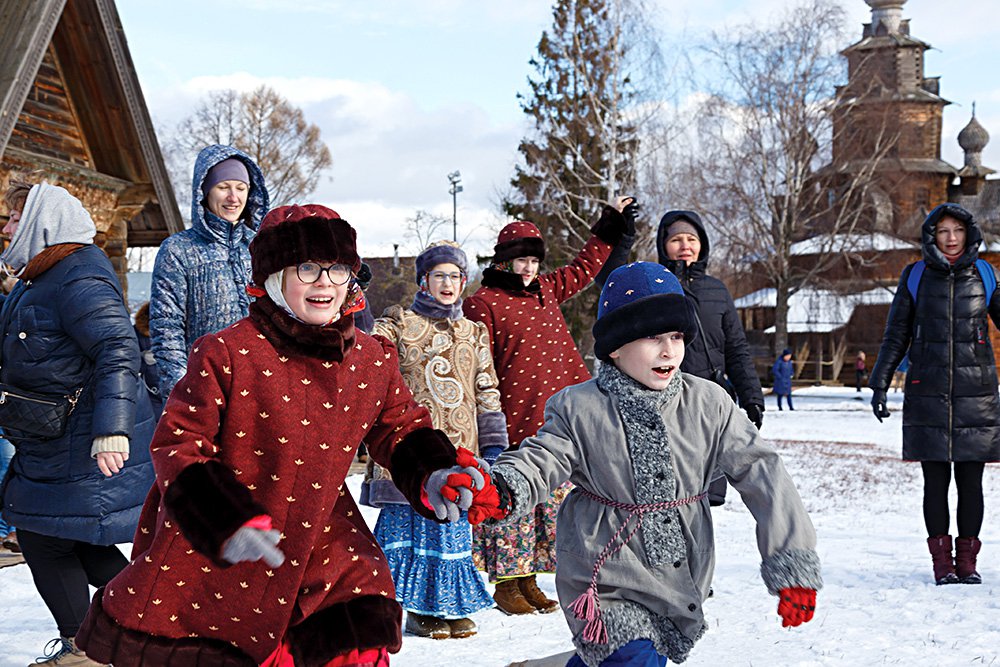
[[405, 92]]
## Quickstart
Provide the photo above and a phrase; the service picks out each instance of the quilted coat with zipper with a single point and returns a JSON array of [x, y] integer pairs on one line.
[[951, 411]]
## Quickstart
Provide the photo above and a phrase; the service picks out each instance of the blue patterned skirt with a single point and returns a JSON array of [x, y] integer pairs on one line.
[[431, 563]]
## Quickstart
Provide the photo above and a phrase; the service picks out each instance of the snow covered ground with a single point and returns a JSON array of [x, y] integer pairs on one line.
[[878, 607]]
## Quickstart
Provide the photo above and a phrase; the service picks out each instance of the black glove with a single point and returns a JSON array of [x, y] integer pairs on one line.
[[631, 213], [364, 277], [755, 412], [878, 405]]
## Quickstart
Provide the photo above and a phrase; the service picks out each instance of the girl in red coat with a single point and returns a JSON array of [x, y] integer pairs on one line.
[[250, 550], [534, 356]]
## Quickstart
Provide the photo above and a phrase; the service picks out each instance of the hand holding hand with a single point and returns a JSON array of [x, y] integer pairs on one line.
[[249, 544], [756, 414], [878, 405], [450, 490], [796, 606]]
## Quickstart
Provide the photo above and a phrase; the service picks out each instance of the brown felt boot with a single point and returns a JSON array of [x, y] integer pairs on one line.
[[427, 626], [510, 600], [534, 595], [462, 627], [944, 565], [966, 550]]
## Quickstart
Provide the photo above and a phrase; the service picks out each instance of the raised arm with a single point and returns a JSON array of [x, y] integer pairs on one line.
[[569, 280]]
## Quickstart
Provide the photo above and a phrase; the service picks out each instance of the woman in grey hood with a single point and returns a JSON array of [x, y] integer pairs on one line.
[[201, 274]]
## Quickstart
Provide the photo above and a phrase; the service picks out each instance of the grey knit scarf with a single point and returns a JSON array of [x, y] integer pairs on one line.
[[652, 462]]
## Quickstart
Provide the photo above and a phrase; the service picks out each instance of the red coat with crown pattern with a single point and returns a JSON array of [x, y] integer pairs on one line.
[[288, 428], [533, 352]]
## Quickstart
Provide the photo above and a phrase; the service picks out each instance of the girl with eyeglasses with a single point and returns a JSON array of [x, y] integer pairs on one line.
[[250, 550], [446, 362]]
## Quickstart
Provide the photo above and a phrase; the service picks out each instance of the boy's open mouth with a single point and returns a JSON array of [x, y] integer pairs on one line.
[[663, 370]]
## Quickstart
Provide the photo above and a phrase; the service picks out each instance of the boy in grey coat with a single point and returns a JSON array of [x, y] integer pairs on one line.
[[640, 442]]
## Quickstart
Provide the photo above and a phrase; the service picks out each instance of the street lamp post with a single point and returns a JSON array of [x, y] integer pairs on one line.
[[454, 178]]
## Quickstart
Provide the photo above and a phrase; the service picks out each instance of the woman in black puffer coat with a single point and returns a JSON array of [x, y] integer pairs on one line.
[[720, 351], [951, 411], [64, 329]]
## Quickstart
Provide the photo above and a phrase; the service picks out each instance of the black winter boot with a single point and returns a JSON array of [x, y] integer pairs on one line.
[[944, 565], [966, 550]]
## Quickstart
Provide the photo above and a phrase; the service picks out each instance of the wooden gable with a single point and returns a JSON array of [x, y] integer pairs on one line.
[[72, 113]]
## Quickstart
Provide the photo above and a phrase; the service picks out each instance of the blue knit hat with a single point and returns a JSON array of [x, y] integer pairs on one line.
[[638, 300]]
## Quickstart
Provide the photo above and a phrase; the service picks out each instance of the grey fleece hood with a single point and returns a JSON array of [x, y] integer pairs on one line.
[[51, 216]]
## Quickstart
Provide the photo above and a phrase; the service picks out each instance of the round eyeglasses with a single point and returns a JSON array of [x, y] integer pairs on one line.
[[309, 272], [441, 277]]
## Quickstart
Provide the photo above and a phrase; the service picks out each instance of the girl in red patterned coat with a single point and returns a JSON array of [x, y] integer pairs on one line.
[[534, 356], [250, 550]]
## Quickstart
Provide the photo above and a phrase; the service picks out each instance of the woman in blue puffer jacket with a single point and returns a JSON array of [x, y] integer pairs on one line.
[[201, 274], [65, 331]]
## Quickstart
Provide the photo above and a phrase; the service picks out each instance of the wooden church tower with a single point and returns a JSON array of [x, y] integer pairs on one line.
[[887, 98]]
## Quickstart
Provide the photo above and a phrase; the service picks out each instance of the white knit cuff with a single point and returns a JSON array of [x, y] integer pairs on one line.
[[109, 443]]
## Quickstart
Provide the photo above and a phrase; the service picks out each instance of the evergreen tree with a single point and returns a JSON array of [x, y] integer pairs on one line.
[[581, 152]]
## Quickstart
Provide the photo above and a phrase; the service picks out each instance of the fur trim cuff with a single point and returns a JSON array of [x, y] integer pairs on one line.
[[610, 227], [417, 455], [794, 568], [492, 427], [380, 493], [209, 505], [520, 492], [367, 622]]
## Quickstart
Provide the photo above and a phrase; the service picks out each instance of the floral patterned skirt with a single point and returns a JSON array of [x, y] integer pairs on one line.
[[524, 547], [431, 563]]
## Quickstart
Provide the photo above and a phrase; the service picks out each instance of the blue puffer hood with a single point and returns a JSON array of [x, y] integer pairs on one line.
[[258, 201]]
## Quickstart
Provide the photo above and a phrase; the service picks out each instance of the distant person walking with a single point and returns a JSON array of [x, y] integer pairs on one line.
[[783, 371], [951, 412], [860, 370]]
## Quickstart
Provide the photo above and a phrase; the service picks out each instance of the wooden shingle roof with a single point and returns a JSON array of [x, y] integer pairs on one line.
[[70, 103]]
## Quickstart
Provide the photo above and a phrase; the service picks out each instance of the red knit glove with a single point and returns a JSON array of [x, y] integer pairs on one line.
[[796, 606]]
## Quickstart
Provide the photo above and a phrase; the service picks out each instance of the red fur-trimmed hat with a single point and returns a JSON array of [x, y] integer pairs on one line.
[[519, 239], [290, 235]]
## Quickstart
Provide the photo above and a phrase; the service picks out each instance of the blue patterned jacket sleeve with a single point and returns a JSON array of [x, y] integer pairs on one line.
[[167, 317]]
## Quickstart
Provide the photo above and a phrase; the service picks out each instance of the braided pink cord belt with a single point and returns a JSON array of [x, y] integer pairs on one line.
[[588, 606]]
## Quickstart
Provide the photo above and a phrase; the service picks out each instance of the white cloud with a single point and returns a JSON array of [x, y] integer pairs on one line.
[[391, 156]]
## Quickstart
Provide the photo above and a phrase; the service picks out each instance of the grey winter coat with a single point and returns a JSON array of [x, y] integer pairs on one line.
[[598, 435], [201, 274], [951, 410]]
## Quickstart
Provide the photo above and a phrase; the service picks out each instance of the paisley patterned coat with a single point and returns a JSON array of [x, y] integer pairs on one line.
[[448, 366]]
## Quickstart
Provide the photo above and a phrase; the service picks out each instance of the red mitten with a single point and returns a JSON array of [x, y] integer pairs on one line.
[[796, 606], [486, 503]]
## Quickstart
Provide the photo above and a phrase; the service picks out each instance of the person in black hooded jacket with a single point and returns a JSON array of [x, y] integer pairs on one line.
[[720, 351], [951, 412]]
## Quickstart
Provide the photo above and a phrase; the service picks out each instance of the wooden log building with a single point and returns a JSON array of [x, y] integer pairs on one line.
[[72, 113]]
